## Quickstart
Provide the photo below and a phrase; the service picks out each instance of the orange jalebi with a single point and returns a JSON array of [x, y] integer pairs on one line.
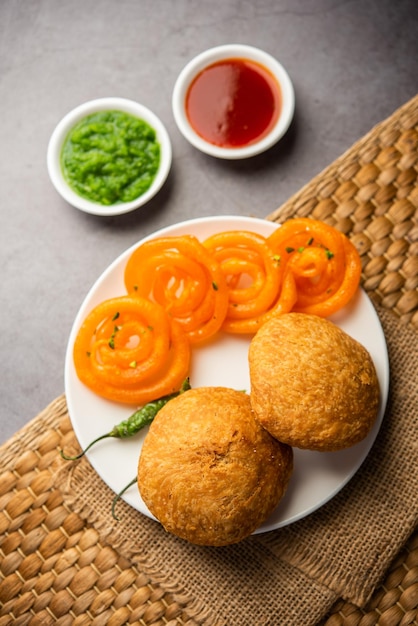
[[128, 350], [136, 348], [182, 276], [325, 264], [252, 274]]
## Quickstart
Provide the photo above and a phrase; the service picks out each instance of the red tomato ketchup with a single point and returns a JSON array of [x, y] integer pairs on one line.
[[233, 103]]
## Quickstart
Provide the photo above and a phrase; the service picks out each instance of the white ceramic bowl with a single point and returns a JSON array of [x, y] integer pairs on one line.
[[229, 51], [72, 118]]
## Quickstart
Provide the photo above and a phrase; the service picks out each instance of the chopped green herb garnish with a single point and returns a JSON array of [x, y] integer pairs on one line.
[[215, 286], [116, 315], [329, 254], [111, 341], [289, 249]]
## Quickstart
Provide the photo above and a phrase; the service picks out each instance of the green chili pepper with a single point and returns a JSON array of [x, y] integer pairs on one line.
[[119, 495], [138, 420]]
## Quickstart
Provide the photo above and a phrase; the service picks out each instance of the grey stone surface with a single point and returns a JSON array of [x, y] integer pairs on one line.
[[352, 64]]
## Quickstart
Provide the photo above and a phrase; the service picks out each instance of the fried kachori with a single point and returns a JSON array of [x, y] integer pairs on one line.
[[312, 385], [208, 471]]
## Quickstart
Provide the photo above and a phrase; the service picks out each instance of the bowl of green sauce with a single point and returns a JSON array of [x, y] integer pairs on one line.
[[233, 101], [109, 156]]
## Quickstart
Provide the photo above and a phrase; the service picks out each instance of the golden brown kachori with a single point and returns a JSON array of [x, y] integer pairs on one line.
[[208, 471], [312, 385]]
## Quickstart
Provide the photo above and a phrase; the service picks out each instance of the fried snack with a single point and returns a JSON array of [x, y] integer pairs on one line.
[[208, 471], [312, 385]]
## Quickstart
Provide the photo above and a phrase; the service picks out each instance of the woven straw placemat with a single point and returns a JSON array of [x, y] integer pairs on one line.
[[64, 560]]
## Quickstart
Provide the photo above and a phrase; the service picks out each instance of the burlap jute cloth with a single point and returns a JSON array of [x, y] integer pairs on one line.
[[65, 560]]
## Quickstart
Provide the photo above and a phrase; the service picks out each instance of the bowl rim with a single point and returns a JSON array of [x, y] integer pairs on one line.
[[218, 53], [75, 115]]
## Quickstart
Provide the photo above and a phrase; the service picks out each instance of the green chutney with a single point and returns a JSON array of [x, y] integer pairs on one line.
[[110, 157]]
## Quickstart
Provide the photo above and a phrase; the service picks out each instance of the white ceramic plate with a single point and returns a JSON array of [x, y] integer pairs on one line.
[[317, 477]]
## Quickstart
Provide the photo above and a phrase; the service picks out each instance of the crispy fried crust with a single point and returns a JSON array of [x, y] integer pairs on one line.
[[208, 471], [312, 385]]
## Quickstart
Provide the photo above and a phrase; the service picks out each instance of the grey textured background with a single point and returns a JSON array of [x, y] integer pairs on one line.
[[352, 64]]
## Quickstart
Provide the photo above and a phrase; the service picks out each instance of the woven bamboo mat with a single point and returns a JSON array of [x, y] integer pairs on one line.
[[55, 565], [371, 194], [55, 569]]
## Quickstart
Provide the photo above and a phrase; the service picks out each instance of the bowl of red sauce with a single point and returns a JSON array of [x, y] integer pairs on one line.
[[233, 101]]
